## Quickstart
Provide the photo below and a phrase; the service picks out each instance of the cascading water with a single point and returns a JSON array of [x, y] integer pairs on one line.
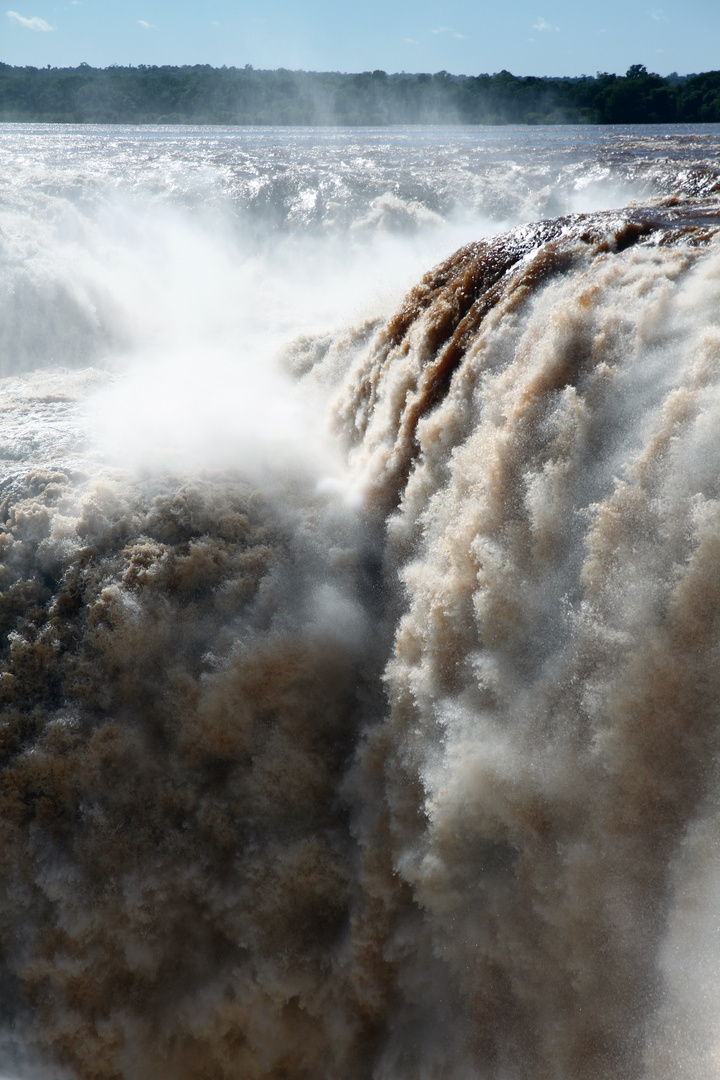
[[359, 655]]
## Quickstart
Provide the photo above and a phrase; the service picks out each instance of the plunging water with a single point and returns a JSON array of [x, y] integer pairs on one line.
[[359, 648]]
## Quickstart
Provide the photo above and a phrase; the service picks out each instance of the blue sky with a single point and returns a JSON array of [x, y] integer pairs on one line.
[[528, 37]]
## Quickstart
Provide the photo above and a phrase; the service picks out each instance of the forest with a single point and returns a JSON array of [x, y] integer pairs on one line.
[[202, 94]]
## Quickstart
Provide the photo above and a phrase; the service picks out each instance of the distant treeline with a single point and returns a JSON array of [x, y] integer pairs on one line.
[[202, 94]]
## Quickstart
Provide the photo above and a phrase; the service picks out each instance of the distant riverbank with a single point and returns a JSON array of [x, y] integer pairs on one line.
[[202, 94]]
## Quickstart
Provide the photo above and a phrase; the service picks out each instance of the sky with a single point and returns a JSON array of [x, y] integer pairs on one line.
[[526, 37]]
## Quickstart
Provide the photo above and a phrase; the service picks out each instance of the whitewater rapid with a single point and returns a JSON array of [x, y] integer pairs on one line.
[[359, 621]]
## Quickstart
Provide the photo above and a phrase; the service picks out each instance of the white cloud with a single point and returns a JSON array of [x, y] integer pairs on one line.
[[146, 25], [35, 23], [449, 30], [411, 41], [658, 15], [542, 24]]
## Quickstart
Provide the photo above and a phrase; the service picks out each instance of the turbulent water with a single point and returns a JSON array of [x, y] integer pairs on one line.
[[359, 619]]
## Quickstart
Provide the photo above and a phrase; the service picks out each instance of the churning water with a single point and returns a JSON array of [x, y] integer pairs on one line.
[[360, 621]]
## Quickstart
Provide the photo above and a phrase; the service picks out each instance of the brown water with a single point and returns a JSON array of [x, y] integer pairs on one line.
[[389, 752]]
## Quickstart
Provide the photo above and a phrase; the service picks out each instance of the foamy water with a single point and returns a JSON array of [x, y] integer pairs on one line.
[[359, 620]]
